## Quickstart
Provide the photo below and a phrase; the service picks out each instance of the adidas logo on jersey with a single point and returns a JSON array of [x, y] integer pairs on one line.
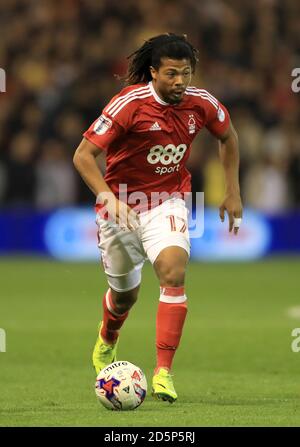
[[155, 126]]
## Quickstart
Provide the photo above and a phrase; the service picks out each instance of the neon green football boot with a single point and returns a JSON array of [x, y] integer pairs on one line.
[[103, 354], [162, 386]]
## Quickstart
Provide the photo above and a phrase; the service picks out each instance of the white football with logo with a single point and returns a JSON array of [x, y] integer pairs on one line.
[[121, 386]]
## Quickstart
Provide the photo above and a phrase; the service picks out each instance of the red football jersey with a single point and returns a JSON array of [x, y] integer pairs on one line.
[[148, 141]]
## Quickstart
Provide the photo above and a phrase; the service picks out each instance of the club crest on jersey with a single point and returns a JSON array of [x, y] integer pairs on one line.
[[192, 124], [102, 125]]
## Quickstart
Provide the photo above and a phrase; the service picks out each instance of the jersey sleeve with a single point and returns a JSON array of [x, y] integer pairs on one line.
[[103, 131], [112, 123], [217, 116]]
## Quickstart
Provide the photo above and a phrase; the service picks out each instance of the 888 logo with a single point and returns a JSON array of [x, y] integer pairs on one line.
[[166, 155]]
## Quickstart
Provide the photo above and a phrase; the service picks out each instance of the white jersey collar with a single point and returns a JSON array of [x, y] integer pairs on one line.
[[156, 97]]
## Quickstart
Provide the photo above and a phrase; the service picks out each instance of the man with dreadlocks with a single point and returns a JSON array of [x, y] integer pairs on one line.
[[146, 132]]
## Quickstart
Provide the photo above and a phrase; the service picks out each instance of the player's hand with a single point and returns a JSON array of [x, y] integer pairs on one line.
[[119, 212], [232, 204]]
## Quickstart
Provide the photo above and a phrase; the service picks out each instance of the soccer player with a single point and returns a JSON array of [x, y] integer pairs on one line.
[[146, 132]]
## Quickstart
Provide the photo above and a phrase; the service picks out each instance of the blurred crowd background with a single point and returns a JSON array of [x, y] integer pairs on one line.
[[60, 59]]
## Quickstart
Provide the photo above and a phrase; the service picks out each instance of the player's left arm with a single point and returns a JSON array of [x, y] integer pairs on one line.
[[229, 155]]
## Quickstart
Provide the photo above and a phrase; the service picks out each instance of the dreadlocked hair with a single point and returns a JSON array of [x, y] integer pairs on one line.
[[150, 53]]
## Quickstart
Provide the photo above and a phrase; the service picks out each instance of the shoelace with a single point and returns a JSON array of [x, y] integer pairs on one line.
[[106, 347], [169, 380]]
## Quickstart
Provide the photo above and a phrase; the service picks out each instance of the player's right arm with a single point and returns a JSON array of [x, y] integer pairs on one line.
[[112, 124], [85, 162]]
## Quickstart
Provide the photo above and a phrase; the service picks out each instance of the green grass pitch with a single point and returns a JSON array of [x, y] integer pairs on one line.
[[235, 365]]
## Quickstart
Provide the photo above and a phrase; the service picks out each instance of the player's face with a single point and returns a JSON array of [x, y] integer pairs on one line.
[[172, 78]]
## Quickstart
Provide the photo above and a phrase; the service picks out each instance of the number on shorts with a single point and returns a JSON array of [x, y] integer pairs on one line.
[[173, 223]]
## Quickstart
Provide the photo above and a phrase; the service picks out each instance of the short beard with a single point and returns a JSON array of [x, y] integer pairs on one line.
[[174, 101]]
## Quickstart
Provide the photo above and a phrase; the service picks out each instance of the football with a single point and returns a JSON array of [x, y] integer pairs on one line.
[[121, 386]]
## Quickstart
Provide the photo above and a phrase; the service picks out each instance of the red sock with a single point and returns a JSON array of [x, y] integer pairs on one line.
[[170, 319], [112, 321]]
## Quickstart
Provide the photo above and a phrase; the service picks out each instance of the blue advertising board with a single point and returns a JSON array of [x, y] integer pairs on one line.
[[71, 234]]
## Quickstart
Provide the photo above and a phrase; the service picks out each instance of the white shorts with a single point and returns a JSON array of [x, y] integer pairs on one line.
[[124, 252]]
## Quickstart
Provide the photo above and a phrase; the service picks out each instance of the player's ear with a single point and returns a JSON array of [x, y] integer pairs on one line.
[[153, 72]]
